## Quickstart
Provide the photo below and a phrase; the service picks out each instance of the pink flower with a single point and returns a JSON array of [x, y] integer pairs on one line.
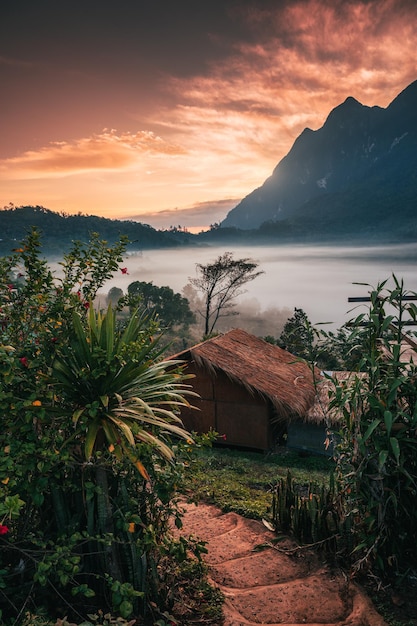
[[3, 529], [124, 270], [223, 437], [10, 287], [24, 361]]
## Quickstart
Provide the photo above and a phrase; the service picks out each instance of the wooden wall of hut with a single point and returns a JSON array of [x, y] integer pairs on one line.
[[228, 408]]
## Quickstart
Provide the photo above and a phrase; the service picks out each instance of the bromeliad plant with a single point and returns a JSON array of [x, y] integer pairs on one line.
[[121, 393]]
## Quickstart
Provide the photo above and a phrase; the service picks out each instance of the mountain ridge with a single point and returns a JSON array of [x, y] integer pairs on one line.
[[361, 154]]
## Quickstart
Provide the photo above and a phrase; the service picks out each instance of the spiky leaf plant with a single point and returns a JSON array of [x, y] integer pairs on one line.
[[118, 390]]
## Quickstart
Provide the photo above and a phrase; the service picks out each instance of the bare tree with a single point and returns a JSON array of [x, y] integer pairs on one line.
[[221, 282]]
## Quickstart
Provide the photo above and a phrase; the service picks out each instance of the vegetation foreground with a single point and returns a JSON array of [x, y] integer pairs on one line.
[[95, 461]]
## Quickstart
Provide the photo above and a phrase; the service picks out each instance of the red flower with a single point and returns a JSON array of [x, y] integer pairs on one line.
[[86, 305], [10, 287], [124, 270], [24, 361], [3, 529], [223, 437]]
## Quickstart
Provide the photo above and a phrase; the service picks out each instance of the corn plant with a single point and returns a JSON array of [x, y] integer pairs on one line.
[[377, 455]]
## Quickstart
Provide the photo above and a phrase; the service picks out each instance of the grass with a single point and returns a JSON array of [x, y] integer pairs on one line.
[[242, 481]]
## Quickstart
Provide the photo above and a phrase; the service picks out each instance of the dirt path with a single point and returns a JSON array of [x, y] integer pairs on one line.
[[271, 586]]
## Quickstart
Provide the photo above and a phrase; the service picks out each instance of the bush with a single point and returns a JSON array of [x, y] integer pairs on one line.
[[89, 428], [308, 514], [369, 510]]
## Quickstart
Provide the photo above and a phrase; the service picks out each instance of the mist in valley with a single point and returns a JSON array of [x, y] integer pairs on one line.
[[317, 279]]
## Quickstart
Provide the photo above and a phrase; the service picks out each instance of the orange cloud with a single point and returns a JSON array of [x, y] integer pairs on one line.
[[308, 57], [105, 151], [194, 218]]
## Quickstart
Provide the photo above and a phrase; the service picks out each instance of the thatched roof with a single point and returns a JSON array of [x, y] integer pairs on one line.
[[319, 412], [407, 354], [260, 367]]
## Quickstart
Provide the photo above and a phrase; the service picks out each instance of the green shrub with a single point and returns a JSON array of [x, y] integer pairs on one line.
[[369, 510], [88, 475]]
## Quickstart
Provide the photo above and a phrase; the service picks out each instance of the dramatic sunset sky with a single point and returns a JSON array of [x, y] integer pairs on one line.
[[171, 111]]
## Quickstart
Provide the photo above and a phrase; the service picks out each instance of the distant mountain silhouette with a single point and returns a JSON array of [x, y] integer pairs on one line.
[[59, 230], [354, 177]]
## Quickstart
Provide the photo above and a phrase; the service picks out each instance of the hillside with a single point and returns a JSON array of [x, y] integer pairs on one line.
[[58, 230]]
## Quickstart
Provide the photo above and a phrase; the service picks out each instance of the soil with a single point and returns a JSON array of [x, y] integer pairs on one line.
[[275, 584]]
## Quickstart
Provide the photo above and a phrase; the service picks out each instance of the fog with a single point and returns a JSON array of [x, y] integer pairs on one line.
[[317, 279]]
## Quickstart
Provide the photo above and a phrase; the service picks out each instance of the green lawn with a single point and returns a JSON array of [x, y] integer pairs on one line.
[[242, 481]]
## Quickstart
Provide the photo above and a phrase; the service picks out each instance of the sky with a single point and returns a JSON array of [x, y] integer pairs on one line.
[[170, 112]]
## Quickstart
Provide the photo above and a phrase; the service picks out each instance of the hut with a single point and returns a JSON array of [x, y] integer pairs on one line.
[[249, 390]]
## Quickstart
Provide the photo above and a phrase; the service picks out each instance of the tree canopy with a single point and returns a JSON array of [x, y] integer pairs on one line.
[[221, 282], [171, 308]]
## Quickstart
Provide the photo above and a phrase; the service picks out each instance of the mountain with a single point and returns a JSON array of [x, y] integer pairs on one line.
[[354, 177]]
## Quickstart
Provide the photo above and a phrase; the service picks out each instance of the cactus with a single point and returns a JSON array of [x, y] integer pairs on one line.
[[311, 517]]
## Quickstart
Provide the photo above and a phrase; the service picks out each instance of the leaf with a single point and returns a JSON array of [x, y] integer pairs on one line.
[[84, 348], [388, 421], [107, 333], [382, 457], [76, 415], [142, 470], [371, 429], [111, 432], [261, 546], [268, 525], [161, 447], [121, 425], [91, 437], [395, 446], [104, 401]]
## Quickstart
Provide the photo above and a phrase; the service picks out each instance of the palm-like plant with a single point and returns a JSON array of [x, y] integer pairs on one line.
[[118, 390], [119, 394]]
